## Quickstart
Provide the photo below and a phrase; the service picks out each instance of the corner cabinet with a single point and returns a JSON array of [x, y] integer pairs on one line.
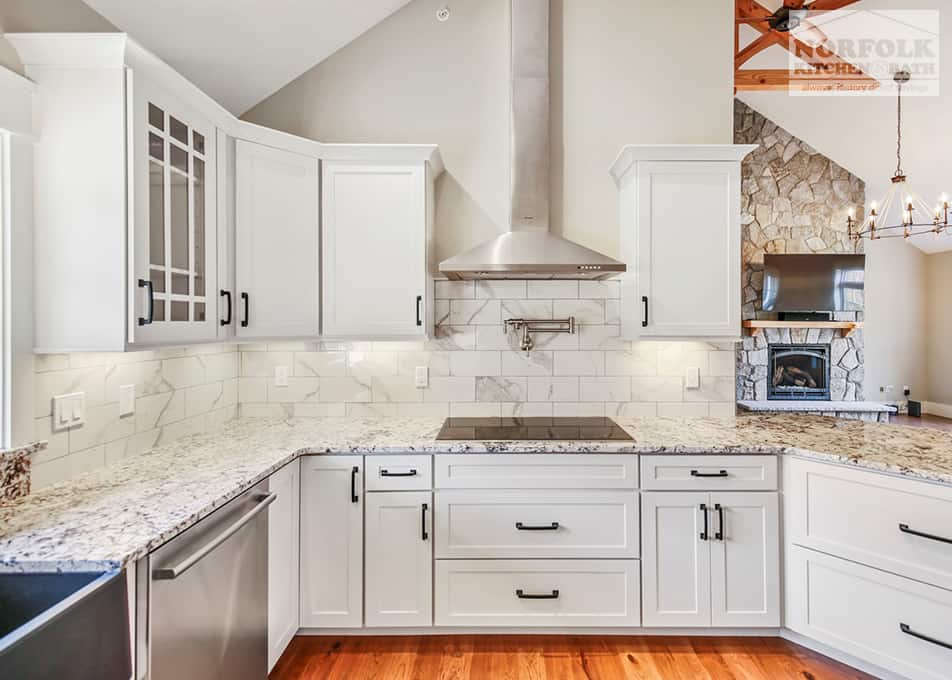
[[681, 238], [126, 198], [377, 227]]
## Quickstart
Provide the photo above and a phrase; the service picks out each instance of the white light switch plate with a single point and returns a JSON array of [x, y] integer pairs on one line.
[[69, 410], [692, 378], [127, 400], [421, 377], [281, 376]]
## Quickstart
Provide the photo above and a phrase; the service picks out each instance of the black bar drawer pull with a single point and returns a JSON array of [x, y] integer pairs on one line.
[[227, 295], [423, 533], [904, 528], [644, 321], [703, 508], [387, 473], [147, 319], [554, 595], [719, 473], [537, 527], [904, 627], [419, 317], [244, 321], [719, 534], [353, 484]]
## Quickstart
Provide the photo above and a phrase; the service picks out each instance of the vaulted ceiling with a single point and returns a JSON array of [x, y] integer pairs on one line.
[[241, 51]]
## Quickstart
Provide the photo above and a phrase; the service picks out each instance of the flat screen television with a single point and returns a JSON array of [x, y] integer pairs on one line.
[[814, 283]]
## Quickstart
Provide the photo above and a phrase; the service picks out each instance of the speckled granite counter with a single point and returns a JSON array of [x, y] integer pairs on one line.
[[107, 518], [15, 470]]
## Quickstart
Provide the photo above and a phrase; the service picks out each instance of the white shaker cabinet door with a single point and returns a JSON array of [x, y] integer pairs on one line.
[[332, 537], [374, 250], [745, 559], [283, 560], [277, 243], [676, 558], [399, 559]]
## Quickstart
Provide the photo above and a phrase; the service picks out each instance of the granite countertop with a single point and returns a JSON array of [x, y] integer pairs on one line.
[[807, 405], [109, 517], [15, 470]]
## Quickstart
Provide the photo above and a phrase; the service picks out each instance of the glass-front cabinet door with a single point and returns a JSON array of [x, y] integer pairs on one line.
[[173, 235]]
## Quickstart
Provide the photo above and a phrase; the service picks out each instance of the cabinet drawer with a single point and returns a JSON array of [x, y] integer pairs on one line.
[[398, 473], [537, 471], [862, 611], [899, 525], [532, 524], [537, 593], [711, 473]]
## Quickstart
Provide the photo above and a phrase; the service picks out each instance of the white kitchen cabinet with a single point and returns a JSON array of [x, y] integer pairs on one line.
[[711, 559], [332, 533], [125, 197], [399, 559], [284, 602], [681, 240], [377, 227], [277, 242]]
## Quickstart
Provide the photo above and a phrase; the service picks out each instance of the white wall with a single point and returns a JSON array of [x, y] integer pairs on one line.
[[618, 70], [939, 329], [895, 319]]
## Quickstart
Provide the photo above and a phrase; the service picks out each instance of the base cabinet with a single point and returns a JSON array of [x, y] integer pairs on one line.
[[711, 559], [283, 560], [398, 578], [332, 537]]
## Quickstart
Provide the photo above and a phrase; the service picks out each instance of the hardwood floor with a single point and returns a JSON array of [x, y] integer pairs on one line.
[[925, 421], [554, 657]]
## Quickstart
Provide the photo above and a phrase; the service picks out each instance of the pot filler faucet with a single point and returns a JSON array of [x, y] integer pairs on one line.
[[528, 326]]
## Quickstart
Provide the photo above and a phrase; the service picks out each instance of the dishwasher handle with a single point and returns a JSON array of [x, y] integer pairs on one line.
[[173, 572]]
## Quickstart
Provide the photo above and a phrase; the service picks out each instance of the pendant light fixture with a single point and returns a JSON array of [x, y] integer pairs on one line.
[[901, 213]]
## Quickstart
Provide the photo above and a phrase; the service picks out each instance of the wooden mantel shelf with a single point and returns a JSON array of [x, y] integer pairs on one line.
[[846, 328]]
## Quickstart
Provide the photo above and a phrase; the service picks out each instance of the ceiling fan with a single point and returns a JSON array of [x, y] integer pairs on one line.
[[791, 14]]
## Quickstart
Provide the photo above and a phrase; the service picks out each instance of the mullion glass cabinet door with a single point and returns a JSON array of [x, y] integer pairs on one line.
[[175, 221]]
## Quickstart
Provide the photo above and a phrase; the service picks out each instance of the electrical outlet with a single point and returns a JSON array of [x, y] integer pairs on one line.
[[69, 410], [421, 377], [127, 400], [281, 374], [692, 378]]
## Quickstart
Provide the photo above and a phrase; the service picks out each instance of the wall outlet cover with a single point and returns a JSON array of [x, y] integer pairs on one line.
[[692, 378], [281, 374], [127, 400], [421, 376]]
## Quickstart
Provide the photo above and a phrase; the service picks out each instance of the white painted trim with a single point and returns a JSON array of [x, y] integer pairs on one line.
[[836, 655], [78, 50], [541, 630], [16, 103], [631, 154], [934, 408]]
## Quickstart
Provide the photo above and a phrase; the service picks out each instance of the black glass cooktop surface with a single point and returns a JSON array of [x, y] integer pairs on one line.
[[532, 429]]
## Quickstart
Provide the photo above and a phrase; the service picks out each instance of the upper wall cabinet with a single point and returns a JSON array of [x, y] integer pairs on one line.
[[680, 236], [377, 232], [125, 196]]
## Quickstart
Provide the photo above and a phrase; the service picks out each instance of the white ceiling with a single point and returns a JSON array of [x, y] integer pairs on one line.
[[241, 51]]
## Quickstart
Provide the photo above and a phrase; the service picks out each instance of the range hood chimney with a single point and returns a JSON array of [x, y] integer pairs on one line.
[[528, 250]]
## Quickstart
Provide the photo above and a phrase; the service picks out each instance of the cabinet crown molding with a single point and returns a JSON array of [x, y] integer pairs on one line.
[[632, 153]]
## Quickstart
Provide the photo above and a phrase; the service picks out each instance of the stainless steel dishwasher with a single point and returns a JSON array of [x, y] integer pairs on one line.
[[202, 598]]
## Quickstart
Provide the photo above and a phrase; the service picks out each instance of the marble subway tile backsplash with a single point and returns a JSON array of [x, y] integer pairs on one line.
[[178, 392], [475, 369]]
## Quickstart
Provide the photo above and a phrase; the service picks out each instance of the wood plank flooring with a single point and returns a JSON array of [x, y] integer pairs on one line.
[[929, 421], [554, 657]]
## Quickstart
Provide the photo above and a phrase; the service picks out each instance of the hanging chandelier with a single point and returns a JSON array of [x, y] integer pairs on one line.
[[914, 217]]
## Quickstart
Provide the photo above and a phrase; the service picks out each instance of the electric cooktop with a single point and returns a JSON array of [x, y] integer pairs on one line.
[[545, 429]]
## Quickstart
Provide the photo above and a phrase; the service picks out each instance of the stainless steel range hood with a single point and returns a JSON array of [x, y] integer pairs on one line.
[[528, 250]]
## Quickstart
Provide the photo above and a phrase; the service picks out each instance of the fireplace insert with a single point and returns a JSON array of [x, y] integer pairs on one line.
[[798, 372]]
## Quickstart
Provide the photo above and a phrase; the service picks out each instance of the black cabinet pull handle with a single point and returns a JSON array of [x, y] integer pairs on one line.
[[147, 319], [522, 595], [904, 528], [244, 321], [542, 527], [227, 295], [387, 473], [419, 317], [720, 473], [904, 627], [644, 321], [353, 484], [719, 534], [423, 533], [704, 512]]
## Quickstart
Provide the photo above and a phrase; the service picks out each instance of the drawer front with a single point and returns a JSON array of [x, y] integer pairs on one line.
[[709, 473], [537, 471], [862, 611], [899, 525], [398, 473], [598, 593], [533, 524]]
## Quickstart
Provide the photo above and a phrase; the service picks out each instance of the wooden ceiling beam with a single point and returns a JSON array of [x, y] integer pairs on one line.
[[747, 80]]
